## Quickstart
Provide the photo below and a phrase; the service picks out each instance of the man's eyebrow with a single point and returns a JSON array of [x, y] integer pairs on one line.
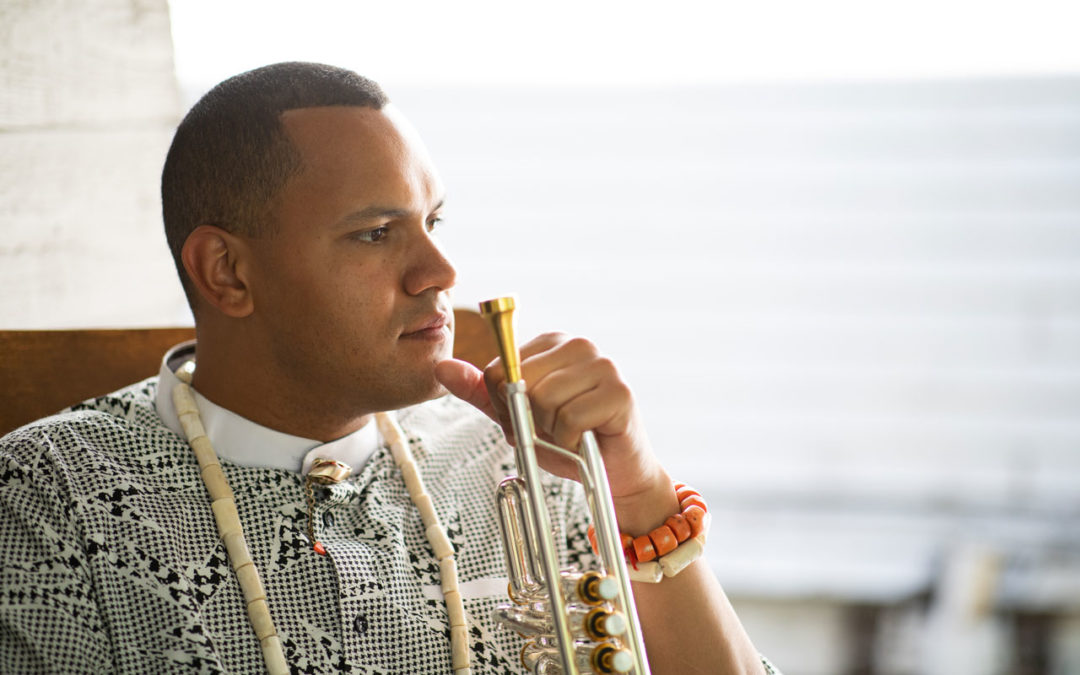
[[373, 212], [376, 212]]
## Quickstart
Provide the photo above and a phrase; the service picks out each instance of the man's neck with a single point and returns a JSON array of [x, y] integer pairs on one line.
[[257, 393]]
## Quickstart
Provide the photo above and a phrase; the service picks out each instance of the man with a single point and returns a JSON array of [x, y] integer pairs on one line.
[[302, 213]]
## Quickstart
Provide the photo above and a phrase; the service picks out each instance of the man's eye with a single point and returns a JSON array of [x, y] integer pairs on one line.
[[434, 222], [373, 235]]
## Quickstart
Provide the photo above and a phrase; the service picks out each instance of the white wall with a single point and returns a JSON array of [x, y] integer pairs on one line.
[[88, 101]]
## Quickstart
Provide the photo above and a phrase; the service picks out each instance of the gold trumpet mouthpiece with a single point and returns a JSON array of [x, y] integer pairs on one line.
[[500, 314]]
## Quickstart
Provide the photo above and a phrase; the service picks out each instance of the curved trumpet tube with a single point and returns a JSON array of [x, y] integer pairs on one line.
[[575, 621]]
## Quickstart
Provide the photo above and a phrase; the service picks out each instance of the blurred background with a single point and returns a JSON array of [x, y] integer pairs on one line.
[[835, 247]]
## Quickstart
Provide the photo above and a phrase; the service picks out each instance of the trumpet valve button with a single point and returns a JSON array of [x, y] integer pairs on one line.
[[608, 588], [622, 661], [614, 624], [601, 623]]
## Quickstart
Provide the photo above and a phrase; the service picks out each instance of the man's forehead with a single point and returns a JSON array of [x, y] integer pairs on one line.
[[341, 144], [310, 123], [329, 125]]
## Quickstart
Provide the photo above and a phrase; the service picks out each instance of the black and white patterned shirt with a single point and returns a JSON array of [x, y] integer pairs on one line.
[[110, 559]]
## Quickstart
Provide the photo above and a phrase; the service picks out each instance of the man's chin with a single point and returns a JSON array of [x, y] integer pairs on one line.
[[430, 391]]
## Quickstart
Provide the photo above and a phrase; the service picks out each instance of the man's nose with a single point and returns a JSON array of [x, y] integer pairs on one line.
[[430, 268]]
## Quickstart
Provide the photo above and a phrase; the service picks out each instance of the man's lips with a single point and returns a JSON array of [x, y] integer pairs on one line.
[[431, 327]]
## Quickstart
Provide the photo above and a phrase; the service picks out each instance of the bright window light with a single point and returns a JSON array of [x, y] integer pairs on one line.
[[630, 42]]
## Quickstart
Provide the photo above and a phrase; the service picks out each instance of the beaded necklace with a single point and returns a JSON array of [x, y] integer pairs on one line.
[[325, 472]]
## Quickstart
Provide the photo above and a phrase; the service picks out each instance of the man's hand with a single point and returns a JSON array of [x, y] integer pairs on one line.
[[572, 389]]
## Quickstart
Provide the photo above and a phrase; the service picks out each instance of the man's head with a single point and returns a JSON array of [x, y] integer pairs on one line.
[[320, 290], [231, 155]]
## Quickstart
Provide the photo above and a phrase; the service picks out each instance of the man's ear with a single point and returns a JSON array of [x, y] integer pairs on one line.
[[215, 261]]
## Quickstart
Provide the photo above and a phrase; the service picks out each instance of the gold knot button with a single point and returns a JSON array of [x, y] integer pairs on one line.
[[328, 471]]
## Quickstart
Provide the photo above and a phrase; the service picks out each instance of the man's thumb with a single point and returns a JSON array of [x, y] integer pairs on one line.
[[465, 381]]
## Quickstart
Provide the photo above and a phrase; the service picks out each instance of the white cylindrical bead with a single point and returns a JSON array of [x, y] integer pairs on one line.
[[239, 555], [401, 452], [193, 427], [226, 516], [388, 427], [183, 400], [455, 608], [426, 507], [411, 475], [393, 435], [216, 485], [250, 583], [439, 542], [274, 655], [649, 572], [448, 578], [259, 613], [261, 595], [185, 372], [676, 561], [463, 671], [459, 646], [204, 452]]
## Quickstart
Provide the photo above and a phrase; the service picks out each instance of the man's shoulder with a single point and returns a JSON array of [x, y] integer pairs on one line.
[[122, 421]]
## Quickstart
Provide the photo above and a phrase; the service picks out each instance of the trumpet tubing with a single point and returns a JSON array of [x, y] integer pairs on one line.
[[575, 621]]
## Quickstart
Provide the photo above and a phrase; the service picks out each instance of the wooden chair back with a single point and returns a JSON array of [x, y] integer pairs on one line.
[[43, 371]]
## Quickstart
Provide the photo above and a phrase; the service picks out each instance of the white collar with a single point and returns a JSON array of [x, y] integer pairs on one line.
[[241, 441]]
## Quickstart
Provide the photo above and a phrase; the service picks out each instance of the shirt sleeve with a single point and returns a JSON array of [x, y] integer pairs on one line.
[[49, 619]]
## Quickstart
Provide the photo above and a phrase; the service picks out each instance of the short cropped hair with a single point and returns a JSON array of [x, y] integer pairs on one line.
[[230, 155]]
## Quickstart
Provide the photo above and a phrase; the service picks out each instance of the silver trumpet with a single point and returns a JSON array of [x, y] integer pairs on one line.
[[574, 621]]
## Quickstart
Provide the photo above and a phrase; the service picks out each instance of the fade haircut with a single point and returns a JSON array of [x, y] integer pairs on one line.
[[230, 155]]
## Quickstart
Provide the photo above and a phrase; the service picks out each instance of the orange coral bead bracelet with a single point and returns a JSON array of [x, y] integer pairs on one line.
[[678, 529]]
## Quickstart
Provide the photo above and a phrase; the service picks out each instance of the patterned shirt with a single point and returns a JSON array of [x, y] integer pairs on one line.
[[110, 559]]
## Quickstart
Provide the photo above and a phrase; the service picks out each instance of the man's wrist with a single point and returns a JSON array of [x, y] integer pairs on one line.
[[647, 509]]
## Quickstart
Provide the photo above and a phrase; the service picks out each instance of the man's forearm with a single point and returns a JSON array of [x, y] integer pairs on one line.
[[690, 627]]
